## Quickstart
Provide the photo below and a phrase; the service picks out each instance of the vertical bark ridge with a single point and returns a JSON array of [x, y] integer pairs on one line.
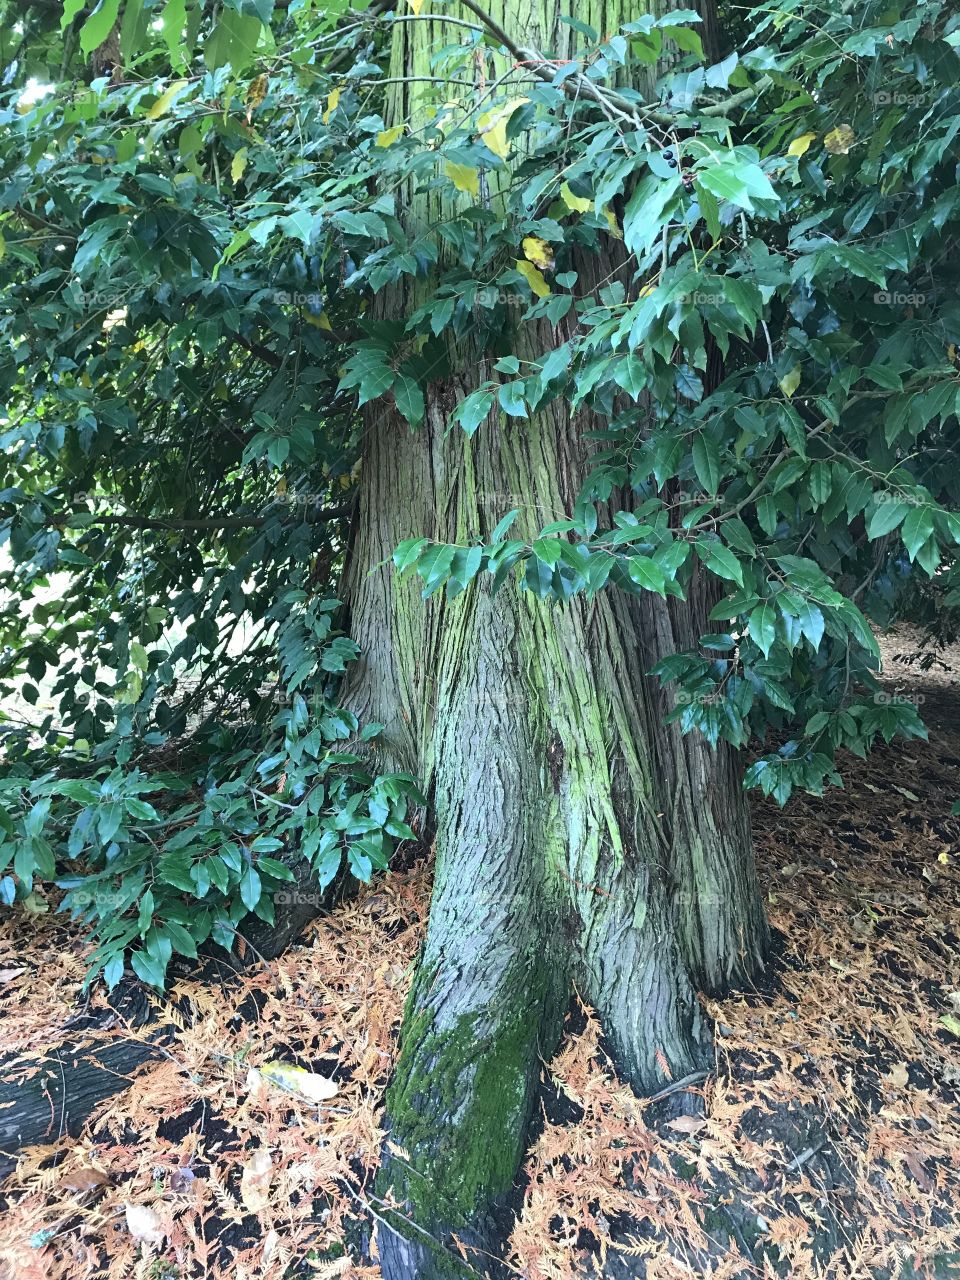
[[551, 856], [722, 922], [569, 822], [387, 621], [588, 677], [493, 980]]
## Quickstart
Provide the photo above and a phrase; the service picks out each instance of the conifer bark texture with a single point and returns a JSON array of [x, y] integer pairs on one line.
[[580, 843]]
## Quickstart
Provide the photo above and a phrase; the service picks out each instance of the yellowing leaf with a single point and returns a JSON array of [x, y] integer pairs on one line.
[[538, 252], [647, 290], [256, 91], [799, 146], [321, 321], [493, 127], [415, 5], [534, 279], [463, 177], [387, 137], [307, 1083], [333, 101], [790, 381], [238, 164], [494, 133], [613, 224], [576, 204], [839, 140], [162, 104]]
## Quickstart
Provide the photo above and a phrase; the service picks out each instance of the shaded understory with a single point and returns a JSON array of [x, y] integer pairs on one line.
[[836, 1096]]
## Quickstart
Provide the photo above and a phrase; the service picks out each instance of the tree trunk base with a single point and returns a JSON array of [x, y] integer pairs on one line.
[[729, 1217]]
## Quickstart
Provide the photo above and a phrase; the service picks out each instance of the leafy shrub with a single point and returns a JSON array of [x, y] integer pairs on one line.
[[164, 860]]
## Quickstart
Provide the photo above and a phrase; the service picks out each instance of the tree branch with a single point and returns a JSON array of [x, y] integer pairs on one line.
[[545, 70], [271, 358], [40, 224], [261, 352], [311, 515]]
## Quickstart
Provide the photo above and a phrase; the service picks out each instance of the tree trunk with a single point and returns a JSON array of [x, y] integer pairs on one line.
[[722, 922], [62, 1089], [579, 841]]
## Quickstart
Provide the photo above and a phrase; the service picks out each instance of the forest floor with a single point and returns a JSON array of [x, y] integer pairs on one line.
[[215, 1163]]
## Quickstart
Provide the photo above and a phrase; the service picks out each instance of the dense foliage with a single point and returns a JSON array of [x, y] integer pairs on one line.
[[196, 221]]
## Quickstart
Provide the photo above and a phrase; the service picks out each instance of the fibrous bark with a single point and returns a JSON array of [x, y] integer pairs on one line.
[[579, 841], [62, 1090]]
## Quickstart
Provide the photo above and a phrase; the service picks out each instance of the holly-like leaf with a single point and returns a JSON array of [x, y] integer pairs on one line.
[[408, 396], [474, 409], [720, 560], [762, 627], [738, 180], [648, 574], [98, 26], [706, 462]]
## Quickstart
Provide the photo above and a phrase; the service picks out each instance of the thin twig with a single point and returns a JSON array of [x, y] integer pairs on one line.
[[211, 524], [693, 1078]]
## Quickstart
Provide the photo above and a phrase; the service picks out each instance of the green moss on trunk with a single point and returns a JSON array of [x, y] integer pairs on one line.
[[487, 1083], [577, 839]]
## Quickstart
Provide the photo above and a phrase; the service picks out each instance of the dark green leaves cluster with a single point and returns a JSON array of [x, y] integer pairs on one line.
[[163, 860], [744, 277], [779, 378]]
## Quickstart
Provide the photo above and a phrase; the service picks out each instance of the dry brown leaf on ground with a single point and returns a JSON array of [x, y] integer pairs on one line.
[[144, 1224], [255, 1180]]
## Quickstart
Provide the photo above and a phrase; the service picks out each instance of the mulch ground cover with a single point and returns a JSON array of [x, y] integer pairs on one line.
[[249, 1147]]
